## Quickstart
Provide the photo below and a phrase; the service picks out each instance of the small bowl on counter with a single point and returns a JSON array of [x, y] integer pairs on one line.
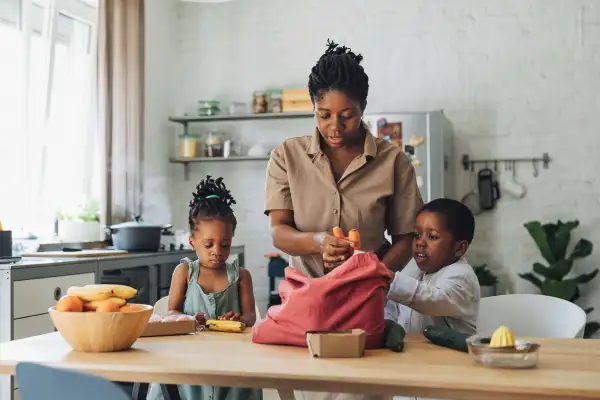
[[522, 355]]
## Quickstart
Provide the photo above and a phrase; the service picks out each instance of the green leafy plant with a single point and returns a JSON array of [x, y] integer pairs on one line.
[[87, 212], [90, 212], [485, 276], [552, 240]]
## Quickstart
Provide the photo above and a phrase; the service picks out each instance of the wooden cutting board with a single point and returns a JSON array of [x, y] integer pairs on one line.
[[76, 254]]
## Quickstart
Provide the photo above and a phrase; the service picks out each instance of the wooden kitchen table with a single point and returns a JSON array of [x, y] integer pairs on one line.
[[567, 369]]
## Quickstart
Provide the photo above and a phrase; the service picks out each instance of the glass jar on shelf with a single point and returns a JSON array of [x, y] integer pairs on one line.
[[274, 100], [188, 145], [209, 107], [213, 146], [259, 102]]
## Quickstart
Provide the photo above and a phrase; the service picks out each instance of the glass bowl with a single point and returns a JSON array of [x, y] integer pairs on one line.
[[523, 355]]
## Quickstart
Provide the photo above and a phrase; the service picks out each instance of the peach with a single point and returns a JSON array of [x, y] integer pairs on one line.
[[69, 304]]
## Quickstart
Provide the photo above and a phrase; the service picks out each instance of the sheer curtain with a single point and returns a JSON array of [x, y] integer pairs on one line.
[[121, 106], [48, 56]]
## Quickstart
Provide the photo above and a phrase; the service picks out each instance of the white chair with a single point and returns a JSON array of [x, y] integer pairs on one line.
[[161, 307], [532, 315]]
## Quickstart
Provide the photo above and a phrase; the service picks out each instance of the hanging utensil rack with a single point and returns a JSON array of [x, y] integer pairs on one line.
[[545, 160]]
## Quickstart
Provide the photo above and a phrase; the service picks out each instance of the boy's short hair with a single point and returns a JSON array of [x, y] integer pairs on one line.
[[460, 221]]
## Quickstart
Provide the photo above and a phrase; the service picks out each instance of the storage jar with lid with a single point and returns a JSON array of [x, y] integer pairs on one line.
[[213, 147], [188, 145], [209, 107], [274, 100], [259, 103]]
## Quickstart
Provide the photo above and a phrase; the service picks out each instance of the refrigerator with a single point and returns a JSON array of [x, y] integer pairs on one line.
[[426, 138]]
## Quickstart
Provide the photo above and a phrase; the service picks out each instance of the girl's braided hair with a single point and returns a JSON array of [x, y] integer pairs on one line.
[[212, 200], [339, 69]]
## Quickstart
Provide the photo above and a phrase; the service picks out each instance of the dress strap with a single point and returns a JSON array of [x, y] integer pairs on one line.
[[193, 269], [233, 272]]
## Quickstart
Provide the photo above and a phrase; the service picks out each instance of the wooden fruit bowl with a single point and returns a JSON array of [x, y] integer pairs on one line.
[[99, 332]]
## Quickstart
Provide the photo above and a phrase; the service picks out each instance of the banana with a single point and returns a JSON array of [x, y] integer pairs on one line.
[[502, 337], [225, 326], [121, 291], [88, 294], [92, 305]]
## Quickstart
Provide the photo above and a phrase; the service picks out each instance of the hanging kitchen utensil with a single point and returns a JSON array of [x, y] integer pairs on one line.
[[511, 185], [471, 199], [489, 192]]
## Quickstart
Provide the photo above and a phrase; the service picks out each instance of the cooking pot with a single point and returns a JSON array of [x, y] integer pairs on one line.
[[137, 235]]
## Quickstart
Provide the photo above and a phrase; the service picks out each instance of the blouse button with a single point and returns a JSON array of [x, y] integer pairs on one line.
[[335, 211]]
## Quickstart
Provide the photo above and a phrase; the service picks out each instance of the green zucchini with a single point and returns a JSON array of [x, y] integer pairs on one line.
[[447, 337]]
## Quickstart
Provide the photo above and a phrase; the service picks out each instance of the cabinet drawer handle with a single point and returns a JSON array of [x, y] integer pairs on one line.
[[57, 293]]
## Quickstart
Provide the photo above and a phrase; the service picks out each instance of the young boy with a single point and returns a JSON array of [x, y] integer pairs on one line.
[[438, 287]]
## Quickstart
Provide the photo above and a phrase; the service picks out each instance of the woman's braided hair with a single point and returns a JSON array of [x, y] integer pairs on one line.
[[212, 200], [339, 69]]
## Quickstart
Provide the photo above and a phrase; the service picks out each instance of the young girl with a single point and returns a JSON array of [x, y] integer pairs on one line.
[[209, 287]]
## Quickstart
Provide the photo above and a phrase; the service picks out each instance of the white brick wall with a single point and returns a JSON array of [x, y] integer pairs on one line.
[[517, 78]]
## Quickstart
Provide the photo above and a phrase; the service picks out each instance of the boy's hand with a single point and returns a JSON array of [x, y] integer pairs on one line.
[[231, 316]]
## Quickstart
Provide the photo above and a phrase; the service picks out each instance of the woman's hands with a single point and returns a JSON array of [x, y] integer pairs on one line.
[[333, 249]]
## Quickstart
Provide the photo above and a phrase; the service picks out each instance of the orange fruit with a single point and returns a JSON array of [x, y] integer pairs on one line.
[[69, 304], [107, 306], [132, 308]]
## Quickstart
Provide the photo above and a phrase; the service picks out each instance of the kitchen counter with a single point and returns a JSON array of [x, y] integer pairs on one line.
[[131, 259], [27, 262], [423, 369]]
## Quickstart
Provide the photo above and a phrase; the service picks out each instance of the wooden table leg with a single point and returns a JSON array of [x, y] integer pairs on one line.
[[170, 392], [285, 394]]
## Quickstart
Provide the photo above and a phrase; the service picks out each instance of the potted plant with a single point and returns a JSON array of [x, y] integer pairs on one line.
[[552, 240], [81, 226], [487, 280]]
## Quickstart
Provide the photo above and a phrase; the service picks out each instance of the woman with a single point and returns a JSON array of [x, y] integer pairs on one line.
[[342, 175]]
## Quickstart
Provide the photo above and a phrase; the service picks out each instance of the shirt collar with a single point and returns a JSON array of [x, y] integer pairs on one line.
[[370, 149]]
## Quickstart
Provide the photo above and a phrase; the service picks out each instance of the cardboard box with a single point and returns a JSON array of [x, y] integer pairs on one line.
[[336, 344], [169, 328]]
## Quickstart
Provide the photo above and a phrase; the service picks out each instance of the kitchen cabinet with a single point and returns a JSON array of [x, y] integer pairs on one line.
[[32, 326], [35, 296]]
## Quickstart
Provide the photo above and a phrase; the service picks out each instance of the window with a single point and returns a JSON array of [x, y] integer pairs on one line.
[[47, 125]]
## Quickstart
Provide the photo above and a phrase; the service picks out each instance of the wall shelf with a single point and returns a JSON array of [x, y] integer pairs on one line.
[[240, 117], [187, 160], [186, 120]]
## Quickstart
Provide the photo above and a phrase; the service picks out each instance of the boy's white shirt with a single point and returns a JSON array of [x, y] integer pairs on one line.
[[448, 298]]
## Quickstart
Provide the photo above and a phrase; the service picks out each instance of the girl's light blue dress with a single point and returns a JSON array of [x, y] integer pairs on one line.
[[213, 305]]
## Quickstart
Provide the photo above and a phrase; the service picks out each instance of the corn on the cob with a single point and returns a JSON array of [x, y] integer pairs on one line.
[[225, 326]]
